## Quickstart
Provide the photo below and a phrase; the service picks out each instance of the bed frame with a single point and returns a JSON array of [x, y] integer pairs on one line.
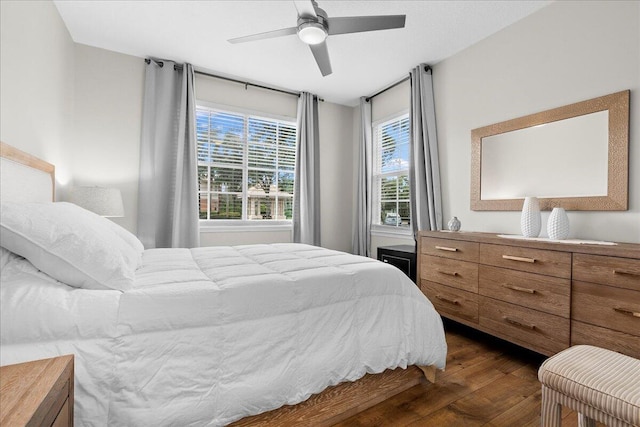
[[24, 177], [28, 178], [339, 402]]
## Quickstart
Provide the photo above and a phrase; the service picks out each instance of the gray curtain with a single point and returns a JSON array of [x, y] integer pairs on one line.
[[424, 172], [168, 186], [361, 242], [306, 193]]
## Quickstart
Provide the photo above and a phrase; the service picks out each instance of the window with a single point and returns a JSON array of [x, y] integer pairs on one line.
[[391, 172], [246, 165]]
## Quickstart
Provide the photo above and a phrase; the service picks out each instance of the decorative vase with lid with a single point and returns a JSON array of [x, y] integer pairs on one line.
[[530, 221], [454, 224]]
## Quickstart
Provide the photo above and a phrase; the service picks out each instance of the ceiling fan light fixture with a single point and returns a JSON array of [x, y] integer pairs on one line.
[[313, 29], [312, 32]]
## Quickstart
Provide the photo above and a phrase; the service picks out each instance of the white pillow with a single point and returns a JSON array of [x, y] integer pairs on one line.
[[70, 244], [5, 257], [128, 237]]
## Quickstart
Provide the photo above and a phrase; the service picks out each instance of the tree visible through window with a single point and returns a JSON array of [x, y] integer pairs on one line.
[[245, 165], [391, 172]]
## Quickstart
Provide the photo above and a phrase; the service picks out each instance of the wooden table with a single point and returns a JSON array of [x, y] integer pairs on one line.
[[38, 393]]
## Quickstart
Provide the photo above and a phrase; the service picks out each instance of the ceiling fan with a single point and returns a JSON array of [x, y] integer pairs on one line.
[[314, 26]]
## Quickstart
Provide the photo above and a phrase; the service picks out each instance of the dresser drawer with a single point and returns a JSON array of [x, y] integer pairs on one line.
[[455, 249], [458, 274], [611, 271], [539, 261], [543, 293], [583, 333], [451, 301], [606, 306], [63, 417], [542, 332]]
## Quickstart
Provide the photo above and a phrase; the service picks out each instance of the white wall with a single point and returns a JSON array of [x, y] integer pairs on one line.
[[391, 102], [336, 165], [104, 150], [251, 98], [36, 83], [564, 53], [80, 108]]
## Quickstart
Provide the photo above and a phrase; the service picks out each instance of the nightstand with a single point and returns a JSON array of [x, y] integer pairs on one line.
[[401, 256], [38, 393]]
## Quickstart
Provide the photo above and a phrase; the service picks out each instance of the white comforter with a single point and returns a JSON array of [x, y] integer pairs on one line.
[[210, 335]]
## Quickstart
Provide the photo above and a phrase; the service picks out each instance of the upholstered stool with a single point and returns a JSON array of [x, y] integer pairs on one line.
[[601, 385]]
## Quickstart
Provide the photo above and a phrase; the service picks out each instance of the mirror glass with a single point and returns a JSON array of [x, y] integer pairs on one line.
[[575, 157], [572, 152]]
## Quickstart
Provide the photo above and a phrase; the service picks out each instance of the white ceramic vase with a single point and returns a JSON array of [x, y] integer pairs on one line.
[[558, 224], [530, 222], [454, 224]]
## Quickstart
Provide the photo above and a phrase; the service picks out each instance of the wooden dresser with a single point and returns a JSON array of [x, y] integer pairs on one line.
[[38, 393], [541, 295]]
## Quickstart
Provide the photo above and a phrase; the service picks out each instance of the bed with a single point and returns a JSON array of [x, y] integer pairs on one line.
[[253, 334]]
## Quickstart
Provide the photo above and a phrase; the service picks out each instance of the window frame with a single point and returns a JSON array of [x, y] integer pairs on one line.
[[382, 229], [245, 224]]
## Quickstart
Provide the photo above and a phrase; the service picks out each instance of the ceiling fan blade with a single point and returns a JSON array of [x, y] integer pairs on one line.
[[321, 54], [265, 35], [305, 9], [358, 24]]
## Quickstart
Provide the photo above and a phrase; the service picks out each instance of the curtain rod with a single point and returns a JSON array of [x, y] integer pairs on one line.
[[176, 66], [296, 94], [368, 98]]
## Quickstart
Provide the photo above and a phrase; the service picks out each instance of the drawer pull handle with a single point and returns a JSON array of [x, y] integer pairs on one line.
[[446, 248], [519, 258], [627, 311], [518, 288], [518, 323], [449, 273], [626, 272], [450, 301]]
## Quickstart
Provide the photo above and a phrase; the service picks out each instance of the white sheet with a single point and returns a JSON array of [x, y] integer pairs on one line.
[[210, 335]]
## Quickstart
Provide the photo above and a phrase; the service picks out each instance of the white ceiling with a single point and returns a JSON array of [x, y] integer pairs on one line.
[[363, 63]]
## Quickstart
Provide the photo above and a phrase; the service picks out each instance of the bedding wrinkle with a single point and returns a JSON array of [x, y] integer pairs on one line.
[[207, 336], [113, 374]]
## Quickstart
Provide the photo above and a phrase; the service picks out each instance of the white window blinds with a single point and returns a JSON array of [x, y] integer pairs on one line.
[[245, 165], [391, 172]]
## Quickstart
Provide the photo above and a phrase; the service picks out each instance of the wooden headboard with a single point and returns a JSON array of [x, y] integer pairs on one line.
[[25, 178]]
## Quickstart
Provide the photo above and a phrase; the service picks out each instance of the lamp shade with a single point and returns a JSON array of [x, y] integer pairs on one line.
[[103, 201]]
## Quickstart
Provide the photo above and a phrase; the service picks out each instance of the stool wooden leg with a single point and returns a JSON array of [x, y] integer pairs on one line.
[[584, 421], [551, 412]]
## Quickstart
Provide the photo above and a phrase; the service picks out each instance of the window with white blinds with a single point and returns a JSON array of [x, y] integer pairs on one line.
[[246, 165], [391, 172]]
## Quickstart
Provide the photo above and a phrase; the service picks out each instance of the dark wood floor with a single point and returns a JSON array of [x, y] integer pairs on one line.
[[487, 382]]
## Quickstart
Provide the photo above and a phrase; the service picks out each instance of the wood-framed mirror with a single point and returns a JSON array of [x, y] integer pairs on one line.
[[575, 157]]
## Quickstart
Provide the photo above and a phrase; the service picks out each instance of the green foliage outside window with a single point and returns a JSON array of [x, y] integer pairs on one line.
[[391, 176], [245, 165]]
